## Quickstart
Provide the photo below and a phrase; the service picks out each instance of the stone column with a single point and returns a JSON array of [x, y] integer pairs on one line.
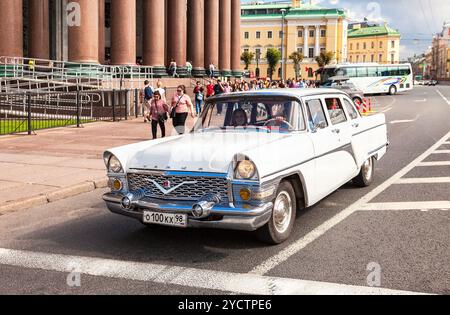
[[11, 35], [305, 44], [212, 33], [83, 31], [317, 43], [154, 36], [236, 38], [225, 38], [176, 34], [39, 32], [101, 31], [196, 36], [123, 32]]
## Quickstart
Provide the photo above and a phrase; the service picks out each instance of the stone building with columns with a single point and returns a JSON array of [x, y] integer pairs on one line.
[[121, 32], [290, 27]]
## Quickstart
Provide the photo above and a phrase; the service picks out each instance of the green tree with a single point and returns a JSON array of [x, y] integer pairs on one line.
[[325, 58], [247, 57], [273, 59], [297, 58]]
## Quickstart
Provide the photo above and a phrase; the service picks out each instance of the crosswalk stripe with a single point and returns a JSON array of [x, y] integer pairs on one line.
[[189, 277], [438, 163]]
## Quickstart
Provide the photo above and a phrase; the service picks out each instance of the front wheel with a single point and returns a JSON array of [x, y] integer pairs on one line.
[[392, 90], [365, 177], [281, 223]]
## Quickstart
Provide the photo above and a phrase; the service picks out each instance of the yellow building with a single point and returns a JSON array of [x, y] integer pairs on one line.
[[307, 29], [379, 44]]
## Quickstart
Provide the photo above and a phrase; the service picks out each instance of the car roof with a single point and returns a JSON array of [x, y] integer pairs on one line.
[[282, 92]]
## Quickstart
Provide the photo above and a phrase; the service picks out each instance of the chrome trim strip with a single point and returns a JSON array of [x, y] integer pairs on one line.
[[364, 131], [376, 150]]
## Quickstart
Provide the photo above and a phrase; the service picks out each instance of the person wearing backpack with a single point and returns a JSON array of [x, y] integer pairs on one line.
[[148, 95]]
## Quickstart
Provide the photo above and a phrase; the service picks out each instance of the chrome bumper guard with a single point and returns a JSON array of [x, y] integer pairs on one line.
[[249, 218]]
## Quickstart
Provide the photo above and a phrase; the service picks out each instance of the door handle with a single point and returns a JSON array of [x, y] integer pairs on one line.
[[355, 125], [337, 131]]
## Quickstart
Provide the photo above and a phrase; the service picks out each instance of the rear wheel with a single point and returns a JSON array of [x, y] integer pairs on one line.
[[281, 223], [392, 90], [365, 177]]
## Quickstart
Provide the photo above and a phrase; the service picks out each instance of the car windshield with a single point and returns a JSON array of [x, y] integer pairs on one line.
[[251, 114]]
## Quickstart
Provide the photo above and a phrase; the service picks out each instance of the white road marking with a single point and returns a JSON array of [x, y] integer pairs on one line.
[[386, 110], [402, 121], [430, 180], [439, 163], [443, 97], [441, 152], [188, 277], [294, 248], [407, 206], [420, 101]]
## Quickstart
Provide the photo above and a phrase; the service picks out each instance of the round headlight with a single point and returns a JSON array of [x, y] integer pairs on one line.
[[114, 165], [246, 169]]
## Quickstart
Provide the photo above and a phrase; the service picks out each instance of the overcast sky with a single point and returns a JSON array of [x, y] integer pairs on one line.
[[417, 20]]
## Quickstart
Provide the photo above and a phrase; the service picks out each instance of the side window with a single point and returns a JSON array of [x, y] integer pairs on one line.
[[335, 110], [316, 115], [351, 110]]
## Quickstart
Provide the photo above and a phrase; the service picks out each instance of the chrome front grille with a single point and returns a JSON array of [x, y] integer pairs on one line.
[[189, 191]]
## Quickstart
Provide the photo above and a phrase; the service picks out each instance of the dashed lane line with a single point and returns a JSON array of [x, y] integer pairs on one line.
[[298, 245], [188, 277], [441, 152], [407, 206]]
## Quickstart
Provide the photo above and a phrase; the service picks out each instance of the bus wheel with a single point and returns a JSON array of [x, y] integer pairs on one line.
[[392, 90]]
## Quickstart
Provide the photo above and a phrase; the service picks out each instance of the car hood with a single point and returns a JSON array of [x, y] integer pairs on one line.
[[200, 152]]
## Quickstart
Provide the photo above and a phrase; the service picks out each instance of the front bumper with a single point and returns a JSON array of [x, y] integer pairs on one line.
[[244, 218]]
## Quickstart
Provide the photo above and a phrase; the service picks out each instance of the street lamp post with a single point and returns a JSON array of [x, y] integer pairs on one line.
[[283, 12], [258, 56]]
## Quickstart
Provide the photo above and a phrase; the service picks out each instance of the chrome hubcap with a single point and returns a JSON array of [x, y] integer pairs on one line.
[[367, 169], [282, 212]]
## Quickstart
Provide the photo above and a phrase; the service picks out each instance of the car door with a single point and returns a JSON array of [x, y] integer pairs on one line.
[[358, 146], [331, 139]]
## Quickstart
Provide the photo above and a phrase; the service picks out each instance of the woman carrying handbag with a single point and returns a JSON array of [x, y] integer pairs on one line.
[[181, 107], [159, 113]]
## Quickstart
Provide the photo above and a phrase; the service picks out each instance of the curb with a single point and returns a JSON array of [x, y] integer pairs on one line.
[[53, 196]]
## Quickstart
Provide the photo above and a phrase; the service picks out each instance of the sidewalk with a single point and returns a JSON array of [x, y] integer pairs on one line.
[[60, 163]]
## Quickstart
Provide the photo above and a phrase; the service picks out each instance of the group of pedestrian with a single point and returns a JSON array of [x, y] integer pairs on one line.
[[158, 110]]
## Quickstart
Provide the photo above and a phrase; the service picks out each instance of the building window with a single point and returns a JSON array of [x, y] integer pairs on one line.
[[357, 46], [300, 50], [246, 50], [364, 58], [351, 58], [246, 35], [372, 58], [393, 44], [310, 73], [373, 45], [381, 44], [257, 52], [365, 46], [258, 35], [351, 46], [380, 58], [312, 33], [300, 34], [322, 50], [357, 58], [323, 33], [280, 35], [279, 72], [392, 58], [269, 34], [311, 53]]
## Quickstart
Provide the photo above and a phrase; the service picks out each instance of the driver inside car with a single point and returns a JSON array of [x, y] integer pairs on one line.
[[240, 118]]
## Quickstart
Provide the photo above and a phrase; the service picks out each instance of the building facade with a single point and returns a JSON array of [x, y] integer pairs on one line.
[[440, 51], [123, 32], [292, 27], [376, 43]]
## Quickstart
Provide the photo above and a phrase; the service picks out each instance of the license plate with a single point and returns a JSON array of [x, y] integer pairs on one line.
[[177, 220]]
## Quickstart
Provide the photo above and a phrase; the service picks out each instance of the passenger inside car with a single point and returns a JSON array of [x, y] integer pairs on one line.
[[240, 118]]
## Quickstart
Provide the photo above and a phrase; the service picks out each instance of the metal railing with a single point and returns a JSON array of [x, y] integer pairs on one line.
[[52, 74], [31, 111]]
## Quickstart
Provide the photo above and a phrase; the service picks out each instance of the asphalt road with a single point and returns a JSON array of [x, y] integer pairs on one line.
[[355, 239]]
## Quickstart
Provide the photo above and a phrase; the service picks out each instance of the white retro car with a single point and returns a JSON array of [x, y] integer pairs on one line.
[[250, 162]]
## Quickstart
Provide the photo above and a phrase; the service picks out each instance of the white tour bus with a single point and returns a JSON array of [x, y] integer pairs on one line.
[[373, 78]]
